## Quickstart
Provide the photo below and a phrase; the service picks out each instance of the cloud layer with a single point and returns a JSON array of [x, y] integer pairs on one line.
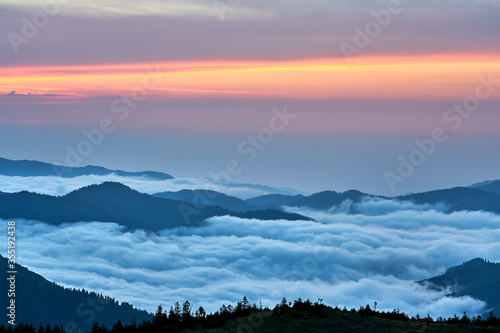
[[60, 186], [348, 260]]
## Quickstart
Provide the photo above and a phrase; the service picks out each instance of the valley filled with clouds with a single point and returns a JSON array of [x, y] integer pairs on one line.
[[346, 259]]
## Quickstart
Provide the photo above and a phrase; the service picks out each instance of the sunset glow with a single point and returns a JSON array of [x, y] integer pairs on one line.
[[323, 78]]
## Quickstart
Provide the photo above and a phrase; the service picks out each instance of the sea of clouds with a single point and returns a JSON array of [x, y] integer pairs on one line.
[[346, 259], [53, 185]]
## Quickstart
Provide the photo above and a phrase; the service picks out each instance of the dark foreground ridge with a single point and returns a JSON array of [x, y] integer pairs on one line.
[[301, 316], [40, 301]]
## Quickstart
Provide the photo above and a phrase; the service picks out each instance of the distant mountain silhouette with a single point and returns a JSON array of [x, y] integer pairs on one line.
[[262, 188], [208, 197], [115, 202], [27, 168], [483, 196], [477, 278], [320, 200], [275, 200], [327, 199], [459, 198], [486, 182], [490, 186], [40, 301]]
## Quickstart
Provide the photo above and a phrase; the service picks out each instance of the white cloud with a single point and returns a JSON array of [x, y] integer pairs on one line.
[[400, 215], [241, 9], [348, 260], [53, 185]]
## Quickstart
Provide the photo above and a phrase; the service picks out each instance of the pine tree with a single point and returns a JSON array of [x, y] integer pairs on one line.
[[200, 313], [186, 310]]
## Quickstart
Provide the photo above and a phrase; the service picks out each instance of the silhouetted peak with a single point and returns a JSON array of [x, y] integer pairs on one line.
[[104, 189], [114, 186], [471, 264]]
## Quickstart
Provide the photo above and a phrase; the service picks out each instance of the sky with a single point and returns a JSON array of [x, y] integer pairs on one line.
[[387, 97]]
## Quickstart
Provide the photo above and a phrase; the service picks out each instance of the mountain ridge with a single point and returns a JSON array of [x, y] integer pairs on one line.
[[208, 197], [28, 168], [38, 300], [457, 198], [477, 278], [115, 202], [488, 186]]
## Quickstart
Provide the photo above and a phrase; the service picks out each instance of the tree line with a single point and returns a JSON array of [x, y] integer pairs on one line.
[[182, 317]]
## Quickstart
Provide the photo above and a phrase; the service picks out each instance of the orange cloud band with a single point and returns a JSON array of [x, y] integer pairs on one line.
[[441, 76]]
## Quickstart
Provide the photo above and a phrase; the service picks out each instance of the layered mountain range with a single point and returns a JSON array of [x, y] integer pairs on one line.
[[42, 301]]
